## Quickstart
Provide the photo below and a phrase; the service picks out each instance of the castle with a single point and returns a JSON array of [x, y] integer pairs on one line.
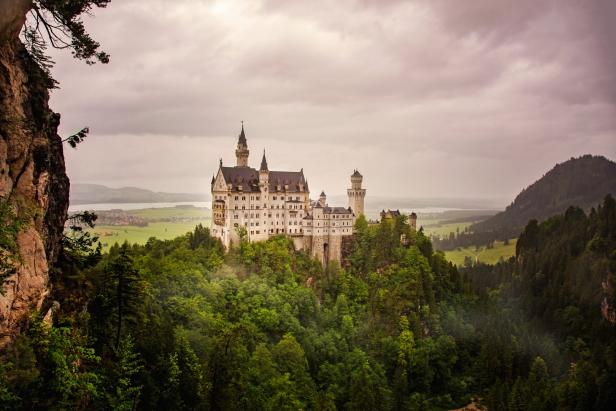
[[268, 203]]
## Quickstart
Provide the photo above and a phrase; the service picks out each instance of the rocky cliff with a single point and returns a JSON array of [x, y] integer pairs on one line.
[[33, 178]]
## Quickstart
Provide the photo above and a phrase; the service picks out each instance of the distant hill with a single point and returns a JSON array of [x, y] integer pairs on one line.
[[96, 193], [581, 182]]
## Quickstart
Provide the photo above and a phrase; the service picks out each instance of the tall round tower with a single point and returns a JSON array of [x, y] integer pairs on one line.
[[356, 194], [241, 153]]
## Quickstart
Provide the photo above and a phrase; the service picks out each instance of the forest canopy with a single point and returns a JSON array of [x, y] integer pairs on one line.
[[182, 324]]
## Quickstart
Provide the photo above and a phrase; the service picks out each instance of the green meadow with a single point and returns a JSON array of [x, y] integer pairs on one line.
[[483, 254], [163, 223]]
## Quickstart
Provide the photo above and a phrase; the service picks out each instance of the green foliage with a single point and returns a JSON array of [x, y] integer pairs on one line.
[[10, 226], [182, 325], [74, 139], [49, 368]]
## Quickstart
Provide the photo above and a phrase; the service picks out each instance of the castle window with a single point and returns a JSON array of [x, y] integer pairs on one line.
[[257, 198], [275, 197], [257, 207], [236, 197], [235, 225], [243, 207], [236, 207], [258, 232], [243, 197]]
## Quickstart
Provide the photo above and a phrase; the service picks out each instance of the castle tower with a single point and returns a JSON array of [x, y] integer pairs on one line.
[[263, 174], [241, 153], [413, 221], [322, 199], [356, 194]]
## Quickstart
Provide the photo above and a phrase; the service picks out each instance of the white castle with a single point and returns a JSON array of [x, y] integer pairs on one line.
[[268, 203]]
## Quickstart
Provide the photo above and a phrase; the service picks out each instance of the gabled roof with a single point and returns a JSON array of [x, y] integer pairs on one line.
[[292, 179], [247, 177], [390, 213], [356, 174], [336, 210]]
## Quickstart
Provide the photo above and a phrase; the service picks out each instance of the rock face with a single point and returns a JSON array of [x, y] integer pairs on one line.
[[33, 177]]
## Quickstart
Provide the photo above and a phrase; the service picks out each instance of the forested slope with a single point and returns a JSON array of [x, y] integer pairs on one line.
[[183, 325], [582, 182], [562, 284]]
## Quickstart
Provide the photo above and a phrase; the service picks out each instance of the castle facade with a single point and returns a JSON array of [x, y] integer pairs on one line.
[[268, 203]]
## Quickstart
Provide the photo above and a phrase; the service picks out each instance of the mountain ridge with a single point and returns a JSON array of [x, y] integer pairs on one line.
[[583, 182], [86, 193]]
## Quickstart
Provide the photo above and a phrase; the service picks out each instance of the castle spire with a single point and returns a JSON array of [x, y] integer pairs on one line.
[[242, 139], [264, 162]]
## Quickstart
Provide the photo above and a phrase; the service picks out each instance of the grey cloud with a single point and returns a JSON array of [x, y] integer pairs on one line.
[[455, 95]]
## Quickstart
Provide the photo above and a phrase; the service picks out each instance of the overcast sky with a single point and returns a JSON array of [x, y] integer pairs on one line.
[[427, 98]]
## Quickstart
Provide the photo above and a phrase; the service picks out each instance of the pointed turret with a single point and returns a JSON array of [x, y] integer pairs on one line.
[[263, 174], [322, 199], [264, 162], [242, 139]]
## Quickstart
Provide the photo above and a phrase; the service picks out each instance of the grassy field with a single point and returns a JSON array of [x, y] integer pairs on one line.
[[110, 234], [484, 255], [185, 220], [172, 212], [436, 228]]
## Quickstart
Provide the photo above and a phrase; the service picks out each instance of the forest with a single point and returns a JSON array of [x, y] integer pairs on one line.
[[581, 181], [180, 324]]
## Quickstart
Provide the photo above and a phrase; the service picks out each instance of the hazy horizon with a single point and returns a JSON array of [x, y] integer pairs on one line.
[[427, 99]]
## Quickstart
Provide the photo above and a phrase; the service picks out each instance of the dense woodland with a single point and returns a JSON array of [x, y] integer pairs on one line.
[[181, 324]]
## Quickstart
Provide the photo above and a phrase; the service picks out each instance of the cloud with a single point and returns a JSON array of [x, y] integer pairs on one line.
[[427, 98]]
